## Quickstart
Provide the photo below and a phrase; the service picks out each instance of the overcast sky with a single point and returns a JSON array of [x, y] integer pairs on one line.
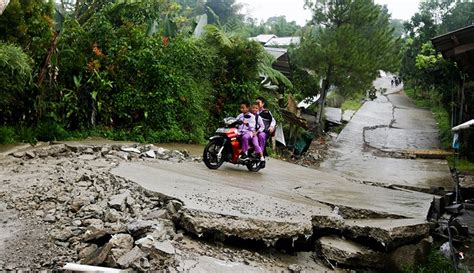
[[294, 11]]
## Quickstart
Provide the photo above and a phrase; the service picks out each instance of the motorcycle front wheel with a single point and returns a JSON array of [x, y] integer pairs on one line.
[[211, 151]]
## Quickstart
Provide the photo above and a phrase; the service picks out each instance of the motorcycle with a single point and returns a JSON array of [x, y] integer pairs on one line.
[[224, 146]]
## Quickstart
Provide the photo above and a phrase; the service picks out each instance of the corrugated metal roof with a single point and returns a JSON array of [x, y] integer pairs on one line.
[[275, 52], [284, 41], [282, 62], [263, 38], [458, 45]]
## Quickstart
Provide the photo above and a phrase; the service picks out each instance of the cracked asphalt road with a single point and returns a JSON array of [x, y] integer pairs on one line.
[[389, 123]]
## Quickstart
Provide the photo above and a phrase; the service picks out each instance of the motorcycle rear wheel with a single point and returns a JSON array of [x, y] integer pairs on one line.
[[254, 166], [209, 155]]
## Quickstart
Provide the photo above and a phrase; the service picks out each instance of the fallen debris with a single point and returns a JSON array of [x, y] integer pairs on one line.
[[93, 216]]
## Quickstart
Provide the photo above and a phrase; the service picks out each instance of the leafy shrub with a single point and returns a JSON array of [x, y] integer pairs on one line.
[[7, 135], [49, 131], [125, 79], [25, 134], [15, 76], [29, 24], [236, 71], [118, 79]]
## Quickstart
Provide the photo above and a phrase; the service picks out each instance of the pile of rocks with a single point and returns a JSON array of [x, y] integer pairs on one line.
[[317, 151], [92, 152], [92, 216]]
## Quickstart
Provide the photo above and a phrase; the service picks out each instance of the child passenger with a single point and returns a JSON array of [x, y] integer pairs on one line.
[[247, 130], [259, 129]]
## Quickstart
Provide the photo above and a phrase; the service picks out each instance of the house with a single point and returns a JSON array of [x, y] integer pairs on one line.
[[458, 46], [282, 60]]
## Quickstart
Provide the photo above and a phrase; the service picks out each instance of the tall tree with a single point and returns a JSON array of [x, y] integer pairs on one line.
[[398, 28], [222, 11], [279, 26], [350, 41]]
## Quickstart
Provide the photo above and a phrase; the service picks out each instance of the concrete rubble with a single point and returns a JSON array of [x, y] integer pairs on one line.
[[347, 115], [333, 115], [90, 216], [61, 207], [376, 218], [348, 253]]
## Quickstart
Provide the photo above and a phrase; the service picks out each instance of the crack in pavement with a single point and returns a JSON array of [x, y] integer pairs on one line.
[[366, 144]]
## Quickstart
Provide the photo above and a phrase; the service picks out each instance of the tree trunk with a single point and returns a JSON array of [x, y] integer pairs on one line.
[[47, 62], [324, 91]]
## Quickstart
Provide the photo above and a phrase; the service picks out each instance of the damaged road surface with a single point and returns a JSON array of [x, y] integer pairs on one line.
[[284, 203], [371, 146], [61, 204], [144, 208], [147, 208]]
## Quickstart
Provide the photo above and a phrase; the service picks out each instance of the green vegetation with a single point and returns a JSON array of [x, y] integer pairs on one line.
[[351, 104], [128, 70], [350, 43], [432, 81], [436, 263], [15, 76], [462, 165]]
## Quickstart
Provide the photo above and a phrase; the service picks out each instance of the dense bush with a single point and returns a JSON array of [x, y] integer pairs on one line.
[[123, 78], [29, 23], [236, 71], [15, 76], [125, 71]]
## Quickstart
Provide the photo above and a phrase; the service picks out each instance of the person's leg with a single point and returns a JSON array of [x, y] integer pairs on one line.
[[245, 142], [262, 140], [256, 145]]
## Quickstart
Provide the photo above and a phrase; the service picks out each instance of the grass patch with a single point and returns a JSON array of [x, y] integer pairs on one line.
[[351, 104], [7, 135], [462, 165], [417, 98], [444, 126], [436, 263]]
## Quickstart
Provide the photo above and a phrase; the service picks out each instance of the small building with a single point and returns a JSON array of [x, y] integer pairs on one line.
[[282, 60], [458, 46]]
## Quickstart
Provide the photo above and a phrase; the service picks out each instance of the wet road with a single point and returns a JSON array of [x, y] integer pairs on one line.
[[280, 201], [389, 123]]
